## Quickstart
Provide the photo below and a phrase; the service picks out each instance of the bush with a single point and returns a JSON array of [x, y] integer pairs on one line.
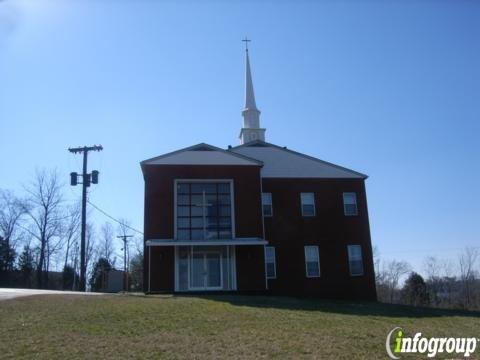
[[414, 291]]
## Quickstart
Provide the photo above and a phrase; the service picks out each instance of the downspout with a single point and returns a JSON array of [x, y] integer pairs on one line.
[[263, 228], [149, 266]]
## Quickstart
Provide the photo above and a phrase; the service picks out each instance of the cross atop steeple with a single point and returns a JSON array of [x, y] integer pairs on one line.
[[246, 40]]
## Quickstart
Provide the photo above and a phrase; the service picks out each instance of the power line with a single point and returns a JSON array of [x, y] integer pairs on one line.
[[112, 218]]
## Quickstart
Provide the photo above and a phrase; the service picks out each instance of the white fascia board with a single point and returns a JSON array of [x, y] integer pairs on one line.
[[236, 241], [193, 155]]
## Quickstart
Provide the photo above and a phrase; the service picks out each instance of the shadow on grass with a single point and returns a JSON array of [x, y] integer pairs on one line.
[[337, 307]]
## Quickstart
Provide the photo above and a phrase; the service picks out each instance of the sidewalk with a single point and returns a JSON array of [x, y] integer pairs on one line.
[[7, 293]]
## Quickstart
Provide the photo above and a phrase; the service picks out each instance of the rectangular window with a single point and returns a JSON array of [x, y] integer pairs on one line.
[[312, 261], [204, 210], [308, 204], [350, 204], [355, 260], [267, 204], [270, 262]]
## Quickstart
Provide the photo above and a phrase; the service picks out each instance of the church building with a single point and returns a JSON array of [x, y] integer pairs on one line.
[[255, 218]]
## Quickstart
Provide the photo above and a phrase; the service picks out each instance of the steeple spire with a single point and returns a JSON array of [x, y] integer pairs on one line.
[[249, 94], [251, 115]]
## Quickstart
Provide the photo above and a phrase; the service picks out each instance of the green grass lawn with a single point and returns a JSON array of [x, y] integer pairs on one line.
[[59, 326]]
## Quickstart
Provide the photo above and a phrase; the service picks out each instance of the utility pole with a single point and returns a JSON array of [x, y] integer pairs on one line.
[[125, 276], [86, 180]]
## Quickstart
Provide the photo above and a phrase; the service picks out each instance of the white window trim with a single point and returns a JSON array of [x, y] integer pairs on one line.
[[232, 206], [271, 205], [344, 204], [274, 263], [318, 260], [314, 207], [348, 255]]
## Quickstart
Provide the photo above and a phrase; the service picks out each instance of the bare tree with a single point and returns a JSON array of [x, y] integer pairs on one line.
[[12, 210], [124, 228], [106, 247], [44, 212], [74, 261], [433, 268], [467, 262], [71, 228], [393, 272], [449, 282], [380, 276], [440, 281], [138, 244], [376, 265], [90, 254]]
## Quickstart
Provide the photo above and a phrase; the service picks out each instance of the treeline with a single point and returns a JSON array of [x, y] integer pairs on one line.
[[453, 284], [40, 238]]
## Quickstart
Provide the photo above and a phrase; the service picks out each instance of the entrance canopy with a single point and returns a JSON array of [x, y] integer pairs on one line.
[[236, 241]]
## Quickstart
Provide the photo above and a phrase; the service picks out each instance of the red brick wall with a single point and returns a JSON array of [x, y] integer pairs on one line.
[[287, 230], [330, 229], [163, 269], [250, 268], [159, 213]]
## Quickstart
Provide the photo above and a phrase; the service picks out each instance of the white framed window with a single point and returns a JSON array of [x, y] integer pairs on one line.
[[308, 204], [312, 262], [270, 263], [355, 260], [204, 209], [350, 204], [267, 204]]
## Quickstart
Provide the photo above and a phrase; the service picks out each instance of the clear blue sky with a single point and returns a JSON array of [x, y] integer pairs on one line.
[[391, 89]]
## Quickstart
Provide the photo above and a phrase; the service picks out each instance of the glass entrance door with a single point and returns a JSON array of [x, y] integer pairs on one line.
[[214, 271], [197, 276], [200, 268], [206, 271]]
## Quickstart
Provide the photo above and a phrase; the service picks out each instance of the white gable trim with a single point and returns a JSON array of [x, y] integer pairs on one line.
[[201, 154]]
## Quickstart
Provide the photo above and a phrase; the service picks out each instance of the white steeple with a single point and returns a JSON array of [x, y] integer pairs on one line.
[[251, 115]]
